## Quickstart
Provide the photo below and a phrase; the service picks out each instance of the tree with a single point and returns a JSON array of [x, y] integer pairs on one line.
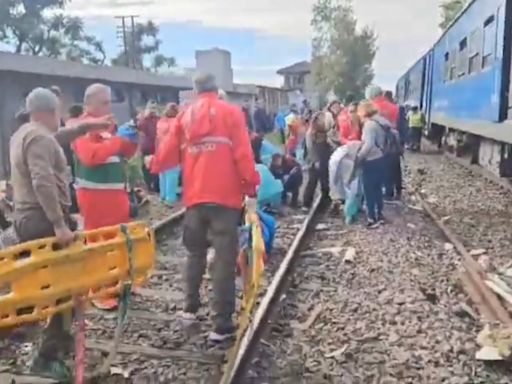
[[38, 27], [343, 54], [141, 44], [162, 61], [449, 11]]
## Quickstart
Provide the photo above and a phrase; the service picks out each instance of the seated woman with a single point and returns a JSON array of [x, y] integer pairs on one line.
[[289, 171]]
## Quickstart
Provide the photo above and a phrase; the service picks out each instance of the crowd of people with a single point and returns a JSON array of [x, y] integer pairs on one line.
[[353, 151]]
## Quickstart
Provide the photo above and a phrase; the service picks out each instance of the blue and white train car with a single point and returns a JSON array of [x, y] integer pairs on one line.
[[465, 84]]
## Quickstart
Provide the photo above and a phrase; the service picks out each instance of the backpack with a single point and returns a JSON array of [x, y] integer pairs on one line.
[[391, 140]]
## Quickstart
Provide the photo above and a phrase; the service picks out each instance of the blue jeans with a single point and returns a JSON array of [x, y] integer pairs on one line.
[[373, 182]]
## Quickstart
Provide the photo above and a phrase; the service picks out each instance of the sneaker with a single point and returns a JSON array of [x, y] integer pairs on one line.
[[188, 318], [372, 224], [219, 335], [381, 220]]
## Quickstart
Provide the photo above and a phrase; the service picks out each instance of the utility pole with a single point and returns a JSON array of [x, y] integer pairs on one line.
[[128, 46]]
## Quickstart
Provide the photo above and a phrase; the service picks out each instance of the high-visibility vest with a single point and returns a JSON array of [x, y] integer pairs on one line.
[[109, 175], [416, 120]]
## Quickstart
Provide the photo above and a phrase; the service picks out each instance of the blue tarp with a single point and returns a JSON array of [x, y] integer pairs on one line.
[[271, 189]]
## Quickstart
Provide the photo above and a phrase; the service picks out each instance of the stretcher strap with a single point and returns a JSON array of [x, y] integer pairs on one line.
[[122, 312]]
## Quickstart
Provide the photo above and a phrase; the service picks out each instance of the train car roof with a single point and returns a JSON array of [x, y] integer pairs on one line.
[[38, 65], [443, 34], [459, 15]]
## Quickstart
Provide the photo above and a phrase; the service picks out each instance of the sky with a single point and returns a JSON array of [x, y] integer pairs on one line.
[[265, 35]]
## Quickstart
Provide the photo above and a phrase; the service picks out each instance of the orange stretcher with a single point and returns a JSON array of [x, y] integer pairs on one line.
[[38, 280]]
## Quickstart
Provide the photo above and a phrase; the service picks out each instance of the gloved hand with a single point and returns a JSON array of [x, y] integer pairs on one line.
[[251, 204], [129, 132]]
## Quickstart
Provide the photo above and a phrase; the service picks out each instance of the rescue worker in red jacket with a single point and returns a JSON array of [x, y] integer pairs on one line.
[[211, 143], [100, 183], [102, 196], [387, 109], [390, 111]]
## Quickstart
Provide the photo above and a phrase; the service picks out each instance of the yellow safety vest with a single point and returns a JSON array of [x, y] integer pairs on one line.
[[416, 120]]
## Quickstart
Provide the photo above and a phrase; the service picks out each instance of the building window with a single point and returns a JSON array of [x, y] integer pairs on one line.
[[475, 46], [489, 42], [446, 66], [462, 64], [453, 64]]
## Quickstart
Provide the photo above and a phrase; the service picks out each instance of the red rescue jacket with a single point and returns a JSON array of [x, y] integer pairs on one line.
[[211, 142], [388, 110], [102, 207], [163, 128], [349, 130]]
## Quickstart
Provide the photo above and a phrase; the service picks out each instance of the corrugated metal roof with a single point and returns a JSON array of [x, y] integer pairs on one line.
[[52, 67]]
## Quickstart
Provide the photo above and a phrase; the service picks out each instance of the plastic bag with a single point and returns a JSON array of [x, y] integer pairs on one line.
[[353, 194]]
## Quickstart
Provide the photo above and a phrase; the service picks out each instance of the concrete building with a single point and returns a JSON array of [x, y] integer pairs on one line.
[[218, 62], [298, 81], [19, 74]]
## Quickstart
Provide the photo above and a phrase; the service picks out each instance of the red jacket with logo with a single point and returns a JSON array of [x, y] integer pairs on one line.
[[211, 142], [388, 110]]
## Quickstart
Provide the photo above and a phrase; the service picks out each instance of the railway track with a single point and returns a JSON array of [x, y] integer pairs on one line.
[[361, 306], [378, 306], [155, 348]]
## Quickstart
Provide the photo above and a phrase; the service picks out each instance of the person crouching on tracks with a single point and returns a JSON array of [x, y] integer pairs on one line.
[[211, 142], [289, 171], [40, 180], [372, 160]]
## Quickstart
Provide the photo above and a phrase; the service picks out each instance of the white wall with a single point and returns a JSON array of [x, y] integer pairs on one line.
[[217, 62]]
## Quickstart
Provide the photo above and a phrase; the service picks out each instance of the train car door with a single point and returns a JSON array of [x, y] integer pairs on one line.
[[427, 86]]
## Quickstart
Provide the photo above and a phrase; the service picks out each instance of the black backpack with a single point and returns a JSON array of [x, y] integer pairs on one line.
[[391, 140]]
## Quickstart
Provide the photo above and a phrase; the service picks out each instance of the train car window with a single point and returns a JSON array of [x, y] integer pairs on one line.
[[475, 47], [453, 64], [489, 42], [118, 95], [462, 64], [447, 66]]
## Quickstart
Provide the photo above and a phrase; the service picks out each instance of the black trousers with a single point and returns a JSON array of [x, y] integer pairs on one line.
[[317, 173], [393, 184]]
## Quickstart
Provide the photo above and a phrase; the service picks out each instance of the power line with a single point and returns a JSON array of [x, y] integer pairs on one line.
[[128, 45]]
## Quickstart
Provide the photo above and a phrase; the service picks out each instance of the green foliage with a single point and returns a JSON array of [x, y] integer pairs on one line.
[[343, 54], [38, 27], [144, 43], [449, 11]]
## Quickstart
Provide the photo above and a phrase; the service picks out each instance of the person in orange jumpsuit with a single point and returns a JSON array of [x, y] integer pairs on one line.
[[100, 179], [211, 143]]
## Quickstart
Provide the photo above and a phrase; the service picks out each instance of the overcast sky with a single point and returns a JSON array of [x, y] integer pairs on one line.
[[264, 35]]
